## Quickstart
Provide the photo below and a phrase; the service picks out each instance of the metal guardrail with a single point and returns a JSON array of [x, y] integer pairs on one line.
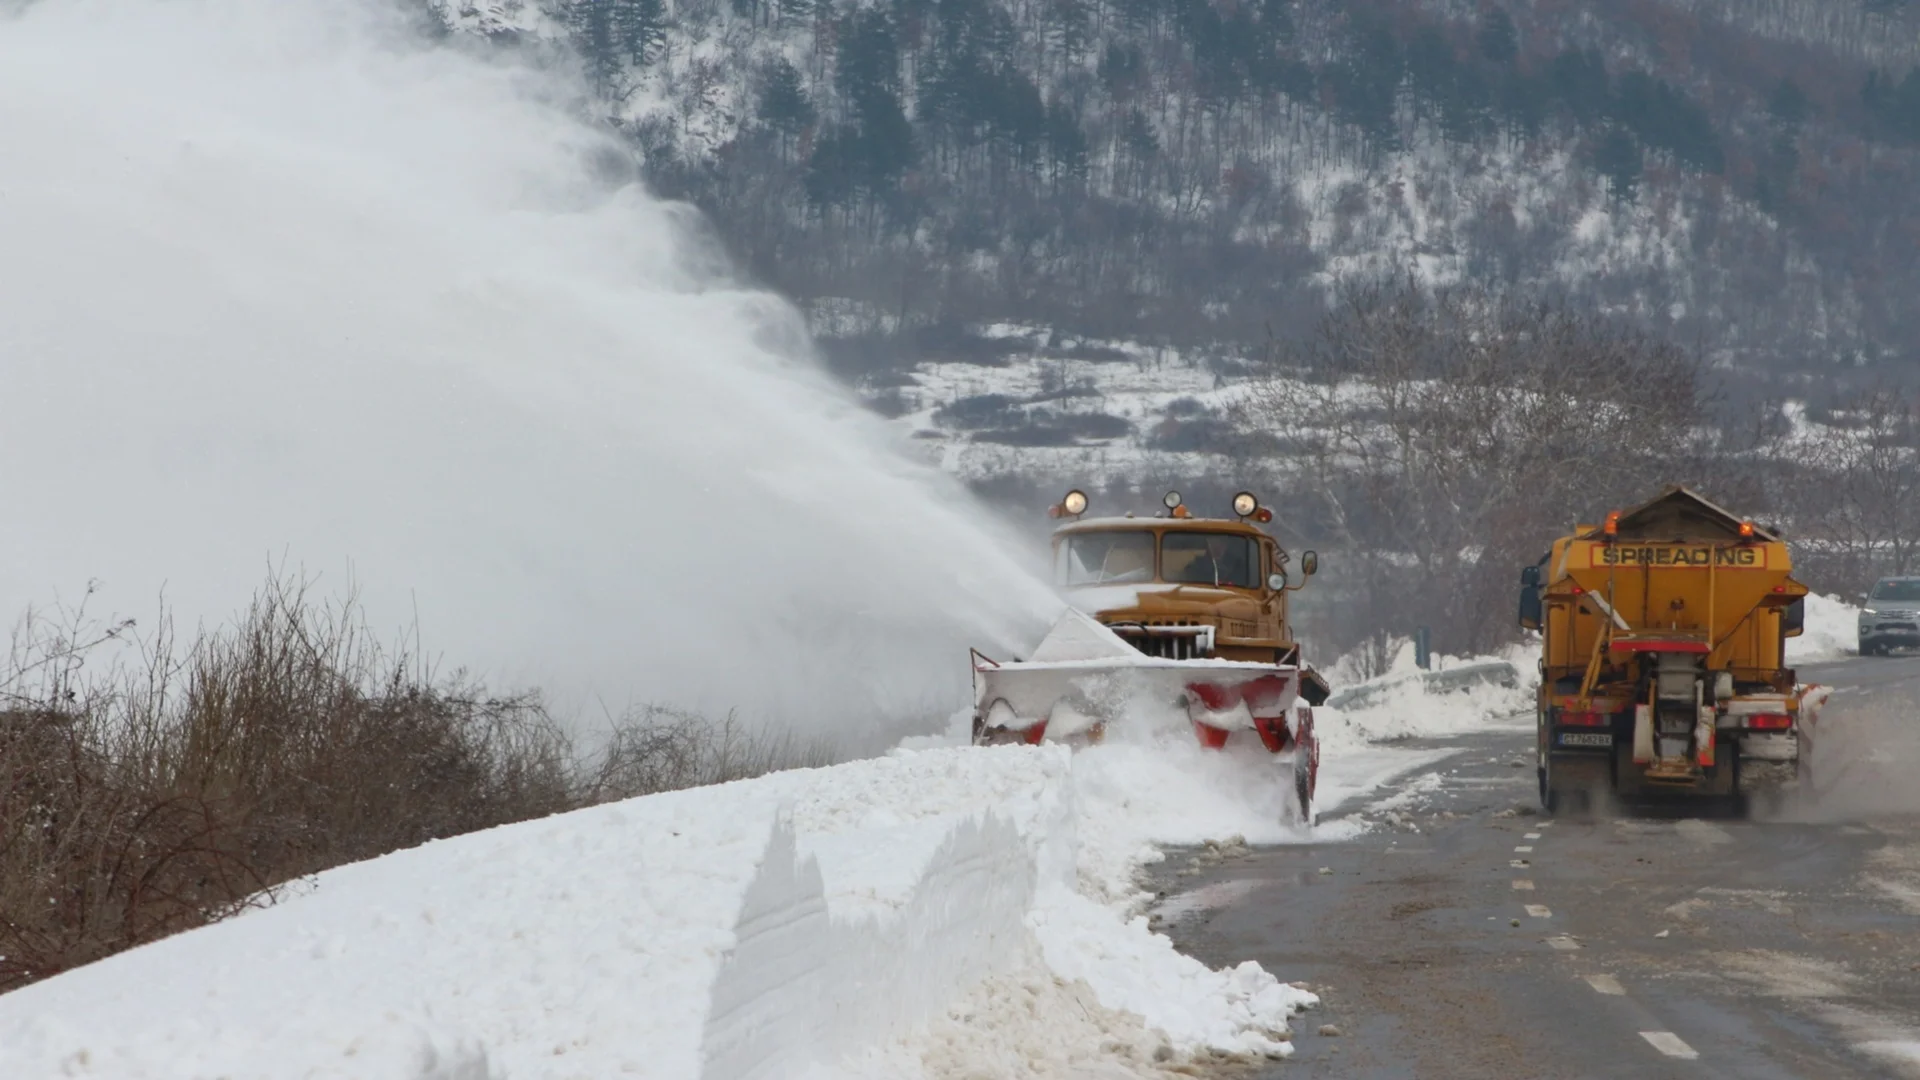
[[1449, 680]]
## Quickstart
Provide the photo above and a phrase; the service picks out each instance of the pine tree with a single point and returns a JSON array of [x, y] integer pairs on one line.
[[783, 99], [640, 27], [1066, 143], [1499, 41], [1787, 103], [1618, 159], [1579, 79], [1070, 29], [880, 146]]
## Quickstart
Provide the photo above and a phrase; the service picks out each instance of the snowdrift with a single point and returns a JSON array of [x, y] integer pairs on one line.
[[752, 930], [945, 910], [1832, 631]]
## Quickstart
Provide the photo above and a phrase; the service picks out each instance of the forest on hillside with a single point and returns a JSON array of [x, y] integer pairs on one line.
[[1735, 176]]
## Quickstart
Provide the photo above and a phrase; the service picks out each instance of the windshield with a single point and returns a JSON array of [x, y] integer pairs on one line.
[[1897, 590], [1105, 558], [1210, 559]]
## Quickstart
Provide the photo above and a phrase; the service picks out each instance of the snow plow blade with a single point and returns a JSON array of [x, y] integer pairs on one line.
[[1083, 677]]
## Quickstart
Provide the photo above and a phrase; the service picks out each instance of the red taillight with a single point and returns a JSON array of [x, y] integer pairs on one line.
[[1584, 719], [1767, 721]]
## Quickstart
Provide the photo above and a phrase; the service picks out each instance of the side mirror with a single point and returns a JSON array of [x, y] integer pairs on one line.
[[1310, 563], [1277, 581], [1530, 609], [1863, 597]]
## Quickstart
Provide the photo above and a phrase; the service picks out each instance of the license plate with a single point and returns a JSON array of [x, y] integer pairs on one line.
[[1586, 738]]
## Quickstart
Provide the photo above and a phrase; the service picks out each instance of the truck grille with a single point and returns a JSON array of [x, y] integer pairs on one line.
[[1175, 641]]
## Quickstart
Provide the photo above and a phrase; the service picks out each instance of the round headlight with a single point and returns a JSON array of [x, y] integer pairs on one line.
[[1172, 500], [1245, 504], [1075, 503]]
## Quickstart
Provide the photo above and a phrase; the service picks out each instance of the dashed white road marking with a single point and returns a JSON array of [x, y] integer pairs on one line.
[[1543, 825], [1531, 836], [1523, 883], [1525, 849], [1670, 1044], [1563, 943], [1519, 864], [1606, 984], [1539, 911]]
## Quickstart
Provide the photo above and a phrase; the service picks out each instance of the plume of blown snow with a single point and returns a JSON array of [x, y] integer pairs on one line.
[[295, 283]]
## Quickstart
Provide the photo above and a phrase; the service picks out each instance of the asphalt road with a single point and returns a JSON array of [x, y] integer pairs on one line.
[[1466, 936]]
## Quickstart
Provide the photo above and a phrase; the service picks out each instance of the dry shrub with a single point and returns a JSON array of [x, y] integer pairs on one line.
[[146, 790], [663, 749]]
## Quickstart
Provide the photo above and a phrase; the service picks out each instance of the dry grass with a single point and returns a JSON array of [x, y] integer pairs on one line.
[[147, 789]]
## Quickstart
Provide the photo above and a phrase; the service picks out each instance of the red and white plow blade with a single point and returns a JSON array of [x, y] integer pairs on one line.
[[1083, 677]]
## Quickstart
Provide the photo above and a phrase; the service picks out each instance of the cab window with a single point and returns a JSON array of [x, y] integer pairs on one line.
[[1195, 558], [1104, 558]]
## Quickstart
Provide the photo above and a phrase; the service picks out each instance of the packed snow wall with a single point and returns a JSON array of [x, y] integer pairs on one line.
[[298, 283], [755, 929]]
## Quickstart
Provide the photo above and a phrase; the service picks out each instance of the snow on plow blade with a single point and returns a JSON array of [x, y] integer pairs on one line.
[[1083, 677]]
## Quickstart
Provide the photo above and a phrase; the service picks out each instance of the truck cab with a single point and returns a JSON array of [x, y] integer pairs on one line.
[[1182, 587]]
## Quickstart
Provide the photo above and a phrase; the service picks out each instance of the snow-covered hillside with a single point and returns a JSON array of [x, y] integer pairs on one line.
[[1296, 187], [1086, 411]]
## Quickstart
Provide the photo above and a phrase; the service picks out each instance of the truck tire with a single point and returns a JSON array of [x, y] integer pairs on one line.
[[1734, 801], [1303, 787], [1574, 783], [1306, 767], [1556, 797]]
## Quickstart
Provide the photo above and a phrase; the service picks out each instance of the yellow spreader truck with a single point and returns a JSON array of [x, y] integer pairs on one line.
[[1663, 649]]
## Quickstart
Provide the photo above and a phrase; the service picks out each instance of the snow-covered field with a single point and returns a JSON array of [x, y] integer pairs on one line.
[[940, 911]]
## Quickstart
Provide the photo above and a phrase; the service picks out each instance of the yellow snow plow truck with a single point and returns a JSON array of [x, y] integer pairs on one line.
[[1663, 640], [1172, 611]]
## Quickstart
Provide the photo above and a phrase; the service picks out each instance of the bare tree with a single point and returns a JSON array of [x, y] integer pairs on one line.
[[1440, 439], [1859, 486]]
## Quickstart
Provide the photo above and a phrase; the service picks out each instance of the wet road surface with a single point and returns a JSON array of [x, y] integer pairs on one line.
[[1466, 936]]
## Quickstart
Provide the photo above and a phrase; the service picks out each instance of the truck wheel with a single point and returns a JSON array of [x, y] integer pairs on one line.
[[1736, 798], [1306, 771], [1541, 756], [1303, 786]]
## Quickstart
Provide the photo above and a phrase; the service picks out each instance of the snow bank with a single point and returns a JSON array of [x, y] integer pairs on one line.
[[1832, 631], [804, 920], [1402, 706], [936, 912]]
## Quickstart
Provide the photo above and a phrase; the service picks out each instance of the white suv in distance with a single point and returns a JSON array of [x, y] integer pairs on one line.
[[1890, 616]]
